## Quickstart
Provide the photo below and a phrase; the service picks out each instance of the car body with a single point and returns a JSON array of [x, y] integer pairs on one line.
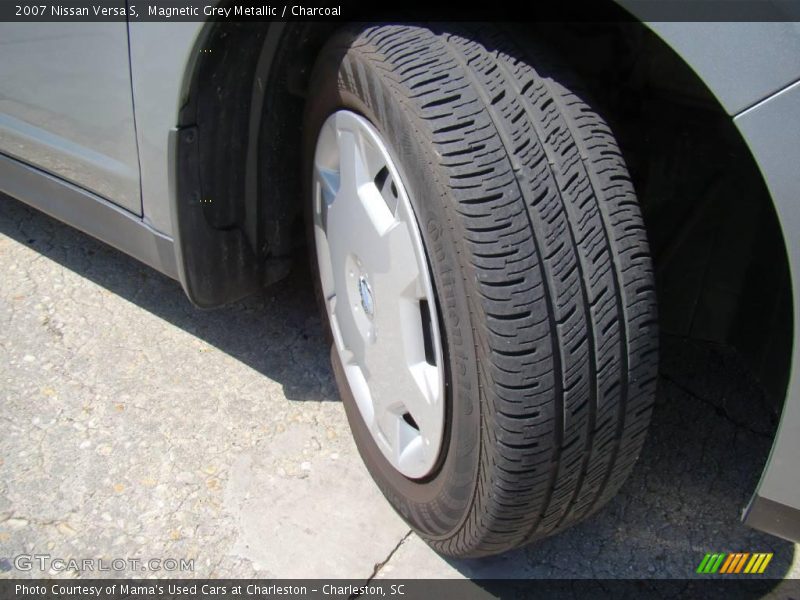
[[108, 126]]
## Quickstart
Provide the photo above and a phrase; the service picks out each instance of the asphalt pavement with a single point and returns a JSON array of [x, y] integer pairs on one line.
[[135, 426]]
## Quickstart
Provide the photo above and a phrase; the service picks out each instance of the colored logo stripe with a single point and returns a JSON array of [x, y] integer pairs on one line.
[[736, 562], [758, 564], [711, 563]]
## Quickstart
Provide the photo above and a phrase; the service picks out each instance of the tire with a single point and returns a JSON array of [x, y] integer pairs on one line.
[[541, 272]]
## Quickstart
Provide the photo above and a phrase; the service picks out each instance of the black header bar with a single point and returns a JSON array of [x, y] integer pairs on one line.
[[403, 10]]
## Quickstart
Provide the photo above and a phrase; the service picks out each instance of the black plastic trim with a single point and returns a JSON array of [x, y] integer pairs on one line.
[[215, 265], [214, 199]]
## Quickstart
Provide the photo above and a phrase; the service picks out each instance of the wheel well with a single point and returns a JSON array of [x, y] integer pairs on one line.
[[720, 258], [237, 151], [722, 270]]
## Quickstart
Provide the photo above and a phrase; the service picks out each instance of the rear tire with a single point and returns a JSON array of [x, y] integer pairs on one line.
[[540, 267]]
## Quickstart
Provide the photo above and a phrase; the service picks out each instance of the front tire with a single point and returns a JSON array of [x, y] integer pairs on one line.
[[541, 287]]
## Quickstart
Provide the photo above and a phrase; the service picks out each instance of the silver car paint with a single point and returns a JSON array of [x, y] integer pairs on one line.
[[65, 105], [741, 63], [160, 53]]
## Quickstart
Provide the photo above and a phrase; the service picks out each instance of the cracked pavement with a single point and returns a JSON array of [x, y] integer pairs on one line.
[[135, 426]]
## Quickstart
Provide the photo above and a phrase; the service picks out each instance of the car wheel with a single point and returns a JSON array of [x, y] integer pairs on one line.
[[484, 273]]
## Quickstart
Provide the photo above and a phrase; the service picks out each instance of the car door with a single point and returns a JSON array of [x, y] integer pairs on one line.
[[66, 105]]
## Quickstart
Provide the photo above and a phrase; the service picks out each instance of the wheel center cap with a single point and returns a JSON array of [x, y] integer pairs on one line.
[[367, 301]]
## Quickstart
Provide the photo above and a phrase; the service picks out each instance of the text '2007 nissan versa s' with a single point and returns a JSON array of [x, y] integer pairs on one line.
[[493, 211]]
